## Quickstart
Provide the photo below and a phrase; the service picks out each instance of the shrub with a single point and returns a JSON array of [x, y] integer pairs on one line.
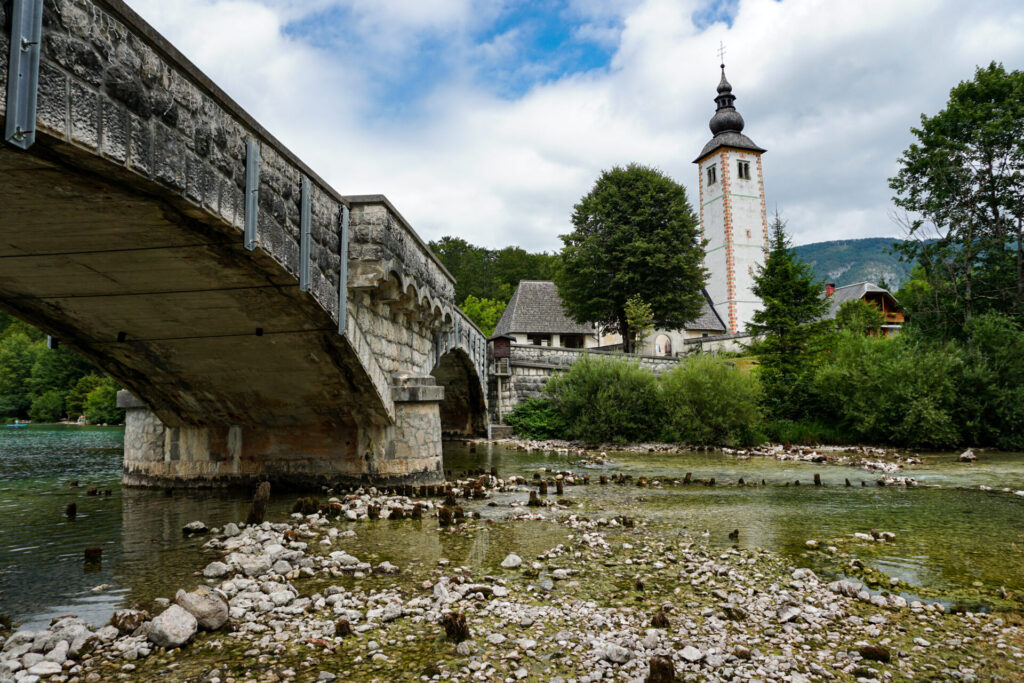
[[898, 391], [536, 418], [608, 400], [710, 402], [47, 407]]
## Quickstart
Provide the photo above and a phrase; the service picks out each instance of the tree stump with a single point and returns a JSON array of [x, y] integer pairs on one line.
[[456, 628], [661, 670], [259, 504]]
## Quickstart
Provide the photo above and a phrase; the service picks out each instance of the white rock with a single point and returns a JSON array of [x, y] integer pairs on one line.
[[615, 653], [173, 627], [692, 654], [344, 559], [495, 639], [209, 609], [787, 613], [215, 570], [512, 561], [44, 669], [231, 529]]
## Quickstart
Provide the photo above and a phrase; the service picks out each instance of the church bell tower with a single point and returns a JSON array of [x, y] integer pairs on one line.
[[733, 217]]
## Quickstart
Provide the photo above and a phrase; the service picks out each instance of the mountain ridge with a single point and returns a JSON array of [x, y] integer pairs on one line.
[[845, 262]]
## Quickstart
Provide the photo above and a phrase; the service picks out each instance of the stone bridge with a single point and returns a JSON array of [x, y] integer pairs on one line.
[[264, 325]]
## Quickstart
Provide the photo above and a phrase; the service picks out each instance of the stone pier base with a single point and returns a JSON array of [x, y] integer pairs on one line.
[[337, 451]]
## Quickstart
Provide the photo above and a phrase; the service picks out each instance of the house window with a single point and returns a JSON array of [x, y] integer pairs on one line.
[[712, 175], [743, 170]]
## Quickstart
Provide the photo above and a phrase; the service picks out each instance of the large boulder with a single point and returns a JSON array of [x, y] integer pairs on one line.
[[209, 609], [173, 627]]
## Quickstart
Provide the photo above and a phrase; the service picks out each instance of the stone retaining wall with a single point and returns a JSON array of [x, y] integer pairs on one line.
[[531, 366]]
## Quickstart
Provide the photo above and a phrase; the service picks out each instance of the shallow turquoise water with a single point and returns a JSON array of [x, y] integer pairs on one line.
[[947, 538]]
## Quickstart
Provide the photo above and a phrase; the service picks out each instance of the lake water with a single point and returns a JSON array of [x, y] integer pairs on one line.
[[957, 540]]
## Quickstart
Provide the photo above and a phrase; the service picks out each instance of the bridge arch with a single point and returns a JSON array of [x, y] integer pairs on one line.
[[463, 408]]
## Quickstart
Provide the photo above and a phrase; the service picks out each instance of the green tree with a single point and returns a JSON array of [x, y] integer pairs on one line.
[[634, 234], [640, 318], [484, 312], [101, 404], [789, 330], [74, 401], [859, 316], [18, 353], [962, 184], [58, 369], [47, 407], [490, 274]]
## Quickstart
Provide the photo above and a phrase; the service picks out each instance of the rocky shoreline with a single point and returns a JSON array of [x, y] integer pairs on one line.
[[621, 599]]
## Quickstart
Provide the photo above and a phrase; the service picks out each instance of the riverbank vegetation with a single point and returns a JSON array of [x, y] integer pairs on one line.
[[911, 391], [46, 385]]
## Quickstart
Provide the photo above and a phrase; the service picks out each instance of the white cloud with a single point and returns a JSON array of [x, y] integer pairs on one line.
[[829, 88]]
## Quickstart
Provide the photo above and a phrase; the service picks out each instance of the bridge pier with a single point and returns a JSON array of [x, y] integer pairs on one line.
[[334, 452]]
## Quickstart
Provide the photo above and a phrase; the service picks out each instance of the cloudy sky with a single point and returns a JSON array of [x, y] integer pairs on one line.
[[489, 119]]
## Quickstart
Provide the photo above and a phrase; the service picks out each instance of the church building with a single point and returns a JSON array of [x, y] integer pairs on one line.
[[733, 215], [733, 218]]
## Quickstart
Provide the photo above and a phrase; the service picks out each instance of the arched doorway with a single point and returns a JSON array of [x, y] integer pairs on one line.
[[662, 345]]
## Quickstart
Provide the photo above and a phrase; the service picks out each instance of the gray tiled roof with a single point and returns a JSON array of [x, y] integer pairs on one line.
[[535, 307], [728, 138], [708, 320], [849, 293]]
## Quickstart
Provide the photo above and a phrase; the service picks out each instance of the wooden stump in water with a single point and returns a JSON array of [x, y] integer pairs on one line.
[[559, 488], [660, 670], [688, 478], [373, 511], [534, 500], [603, 480], [417, 511], [456, 628], [259, 504], [71, 510], [848, 482], [817, 480], [444, 516], [94, 555]]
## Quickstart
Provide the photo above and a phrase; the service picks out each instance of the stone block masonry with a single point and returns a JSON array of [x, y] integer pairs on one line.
[[530, 367], [122, 237]]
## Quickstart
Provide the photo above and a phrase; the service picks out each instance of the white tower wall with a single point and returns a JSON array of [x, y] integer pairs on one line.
[[734, 220]]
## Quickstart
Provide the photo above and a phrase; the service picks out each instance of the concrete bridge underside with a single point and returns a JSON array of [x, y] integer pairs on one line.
[[121, 236]]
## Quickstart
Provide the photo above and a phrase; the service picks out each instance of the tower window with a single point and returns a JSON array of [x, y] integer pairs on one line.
[[743, 170], [712, 175]]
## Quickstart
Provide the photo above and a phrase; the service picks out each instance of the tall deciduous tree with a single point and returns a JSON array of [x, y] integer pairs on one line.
[[962, 184], [789, 330], [634, 234]]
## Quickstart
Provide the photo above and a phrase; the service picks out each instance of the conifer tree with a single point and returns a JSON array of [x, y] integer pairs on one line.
[[789, 330]]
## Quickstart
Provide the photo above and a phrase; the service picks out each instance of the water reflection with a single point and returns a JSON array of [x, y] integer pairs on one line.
[[947, 538]]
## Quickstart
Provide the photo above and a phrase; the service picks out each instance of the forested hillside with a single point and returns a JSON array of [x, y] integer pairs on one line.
[[845, 262]]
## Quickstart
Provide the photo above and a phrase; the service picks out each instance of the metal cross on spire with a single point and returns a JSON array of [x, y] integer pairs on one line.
[[721, 53]]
